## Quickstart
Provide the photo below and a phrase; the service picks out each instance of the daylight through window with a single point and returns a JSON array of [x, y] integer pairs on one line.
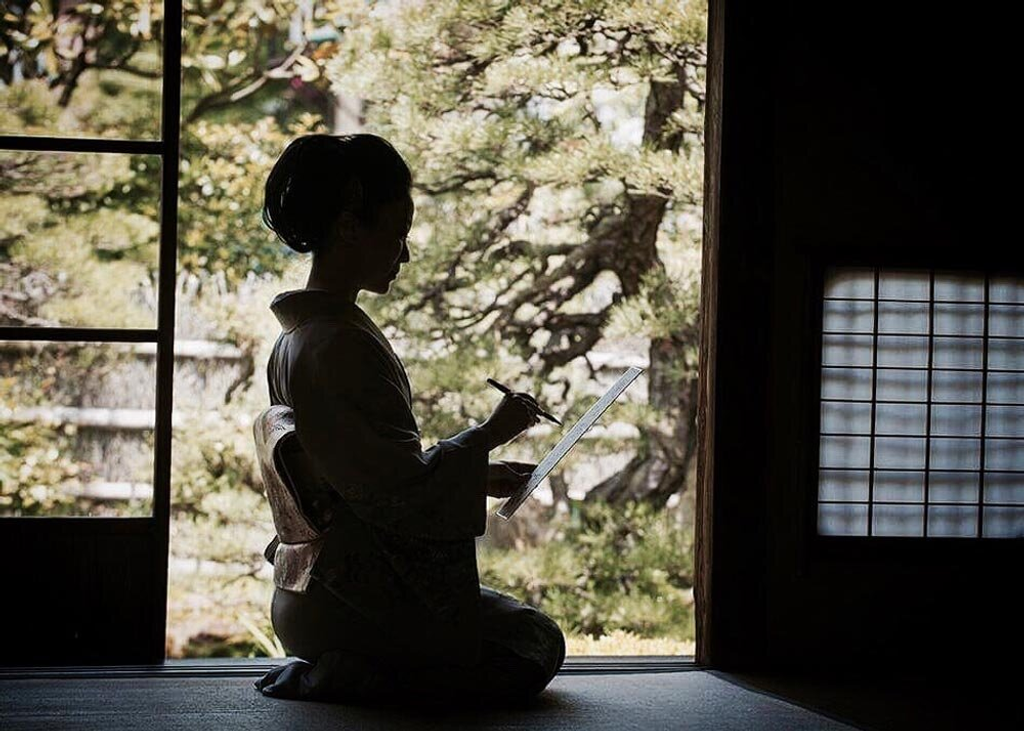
[[922, 405]]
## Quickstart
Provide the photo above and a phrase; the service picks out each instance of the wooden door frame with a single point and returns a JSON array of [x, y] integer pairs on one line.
[[708, 335], [156, 526], [730, 531], [48, 535]]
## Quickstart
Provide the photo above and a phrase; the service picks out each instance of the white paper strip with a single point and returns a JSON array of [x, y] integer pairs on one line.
[[509, 507]]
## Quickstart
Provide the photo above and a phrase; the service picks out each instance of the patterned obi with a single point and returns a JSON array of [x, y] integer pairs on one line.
[[300, 516]]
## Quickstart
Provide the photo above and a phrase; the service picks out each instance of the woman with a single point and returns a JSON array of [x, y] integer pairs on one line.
[[390, 603]]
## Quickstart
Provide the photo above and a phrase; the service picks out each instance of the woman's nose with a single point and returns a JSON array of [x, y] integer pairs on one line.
[[405, 252]]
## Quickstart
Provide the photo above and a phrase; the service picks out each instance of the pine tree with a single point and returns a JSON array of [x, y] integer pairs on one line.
[[557, 153]]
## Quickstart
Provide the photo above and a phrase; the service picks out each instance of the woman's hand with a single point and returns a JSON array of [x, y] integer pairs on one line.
[[505, 477], [516, 413]]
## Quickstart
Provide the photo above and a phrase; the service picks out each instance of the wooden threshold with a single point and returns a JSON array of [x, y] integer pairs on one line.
[[255, 667]]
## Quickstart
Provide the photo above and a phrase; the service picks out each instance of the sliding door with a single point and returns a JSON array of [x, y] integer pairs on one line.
[[88, 203]]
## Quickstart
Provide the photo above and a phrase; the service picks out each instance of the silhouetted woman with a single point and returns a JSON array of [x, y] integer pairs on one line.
[[383, 600]]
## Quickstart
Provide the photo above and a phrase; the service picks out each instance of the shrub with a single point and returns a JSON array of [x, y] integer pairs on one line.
[[611, 567]]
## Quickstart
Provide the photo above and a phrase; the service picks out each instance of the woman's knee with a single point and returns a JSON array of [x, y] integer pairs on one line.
[[305, 622], [556, 644], [552, 643], [286, 617]]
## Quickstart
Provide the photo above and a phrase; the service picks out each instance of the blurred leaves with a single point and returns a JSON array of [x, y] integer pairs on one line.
[[524, 124], [35, 470], [222, 177], [627, 567], [491, 103]]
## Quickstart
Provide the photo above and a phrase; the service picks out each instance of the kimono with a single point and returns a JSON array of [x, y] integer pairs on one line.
[[399, 522]]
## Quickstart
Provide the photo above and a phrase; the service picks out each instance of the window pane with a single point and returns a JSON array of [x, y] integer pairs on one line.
[[845, 451], [899, 487], [957, 386], [49, 95], [902, 385], [956, 421], [845, 418], [854, 283], [847, 350], [907, 285], [935, 413], [846, 383], [76, 423], [1005, 388], [1006, 321], [901, 419], [959, 319], [959, 287], [82, 235], [953, 487], [903, 317], [1003, 522], [1006, 289], [843, 485], [899, 453], [1004, 454], [958, 352], [902, 352], [1004, 487], [837, 519], [955, 454], [1004, 421], [847, 316], [952, 521], [1006, 354], [897, 520]]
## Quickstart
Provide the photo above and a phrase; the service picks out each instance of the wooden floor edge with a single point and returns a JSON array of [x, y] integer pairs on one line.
[[254, 667]]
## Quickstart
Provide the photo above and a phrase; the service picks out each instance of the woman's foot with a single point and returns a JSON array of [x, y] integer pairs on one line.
[[284, 680], [337, 675]]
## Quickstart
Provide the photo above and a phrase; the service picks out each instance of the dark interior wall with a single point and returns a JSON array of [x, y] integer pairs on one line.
[[848, 134], [79, 591]]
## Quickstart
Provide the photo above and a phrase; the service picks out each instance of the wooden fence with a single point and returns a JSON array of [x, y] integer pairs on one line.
[[112, 438]]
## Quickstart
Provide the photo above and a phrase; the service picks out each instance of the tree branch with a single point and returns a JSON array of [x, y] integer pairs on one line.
[[521, 247], [241, 89], [457, 181], [581, 330], [494, 231], [128, 70]]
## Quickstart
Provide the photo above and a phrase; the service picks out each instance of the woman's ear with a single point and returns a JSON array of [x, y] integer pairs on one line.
[[345, 229]]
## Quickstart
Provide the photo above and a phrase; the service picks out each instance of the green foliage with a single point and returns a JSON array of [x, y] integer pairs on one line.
[[39, 472], [237, 62], [20, 215], [625, 567], [209, 459], [494, 106], [35, 469], [28, 105], [220, 511], [75, 219], [223, 172], [524, 124], [122, 48]]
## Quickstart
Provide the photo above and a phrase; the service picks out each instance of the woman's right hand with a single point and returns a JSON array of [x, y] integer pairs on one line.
[[516, 413]]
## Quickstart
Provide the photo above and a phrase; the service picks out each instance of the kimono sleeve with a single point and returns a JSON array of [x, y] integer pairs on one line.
[[354, 422]]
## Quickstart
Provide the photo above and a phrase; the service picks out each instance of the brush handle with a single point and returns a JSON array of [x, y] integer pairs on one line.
[[506, 390]]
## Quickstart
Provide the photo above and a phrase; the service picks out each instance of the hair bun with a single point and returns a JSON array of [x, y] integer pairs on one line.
[[319, 175]]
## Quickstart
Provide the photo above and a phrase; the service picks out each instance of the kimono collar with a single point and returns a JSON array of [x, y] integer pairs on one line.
[[295, 306]]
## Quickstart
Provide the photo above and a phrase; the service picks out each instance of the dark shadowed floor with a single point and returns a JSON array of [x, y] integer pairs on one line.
[[600, 699], [589, 694]]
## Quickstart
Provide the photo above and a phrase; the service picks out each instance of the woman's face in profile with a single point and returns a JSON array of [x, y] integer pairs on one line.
[[382, 247]]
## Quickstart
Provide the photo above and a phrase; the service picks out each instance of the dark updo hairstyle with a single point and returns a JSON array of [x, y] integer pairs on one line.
[[318, 176]]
